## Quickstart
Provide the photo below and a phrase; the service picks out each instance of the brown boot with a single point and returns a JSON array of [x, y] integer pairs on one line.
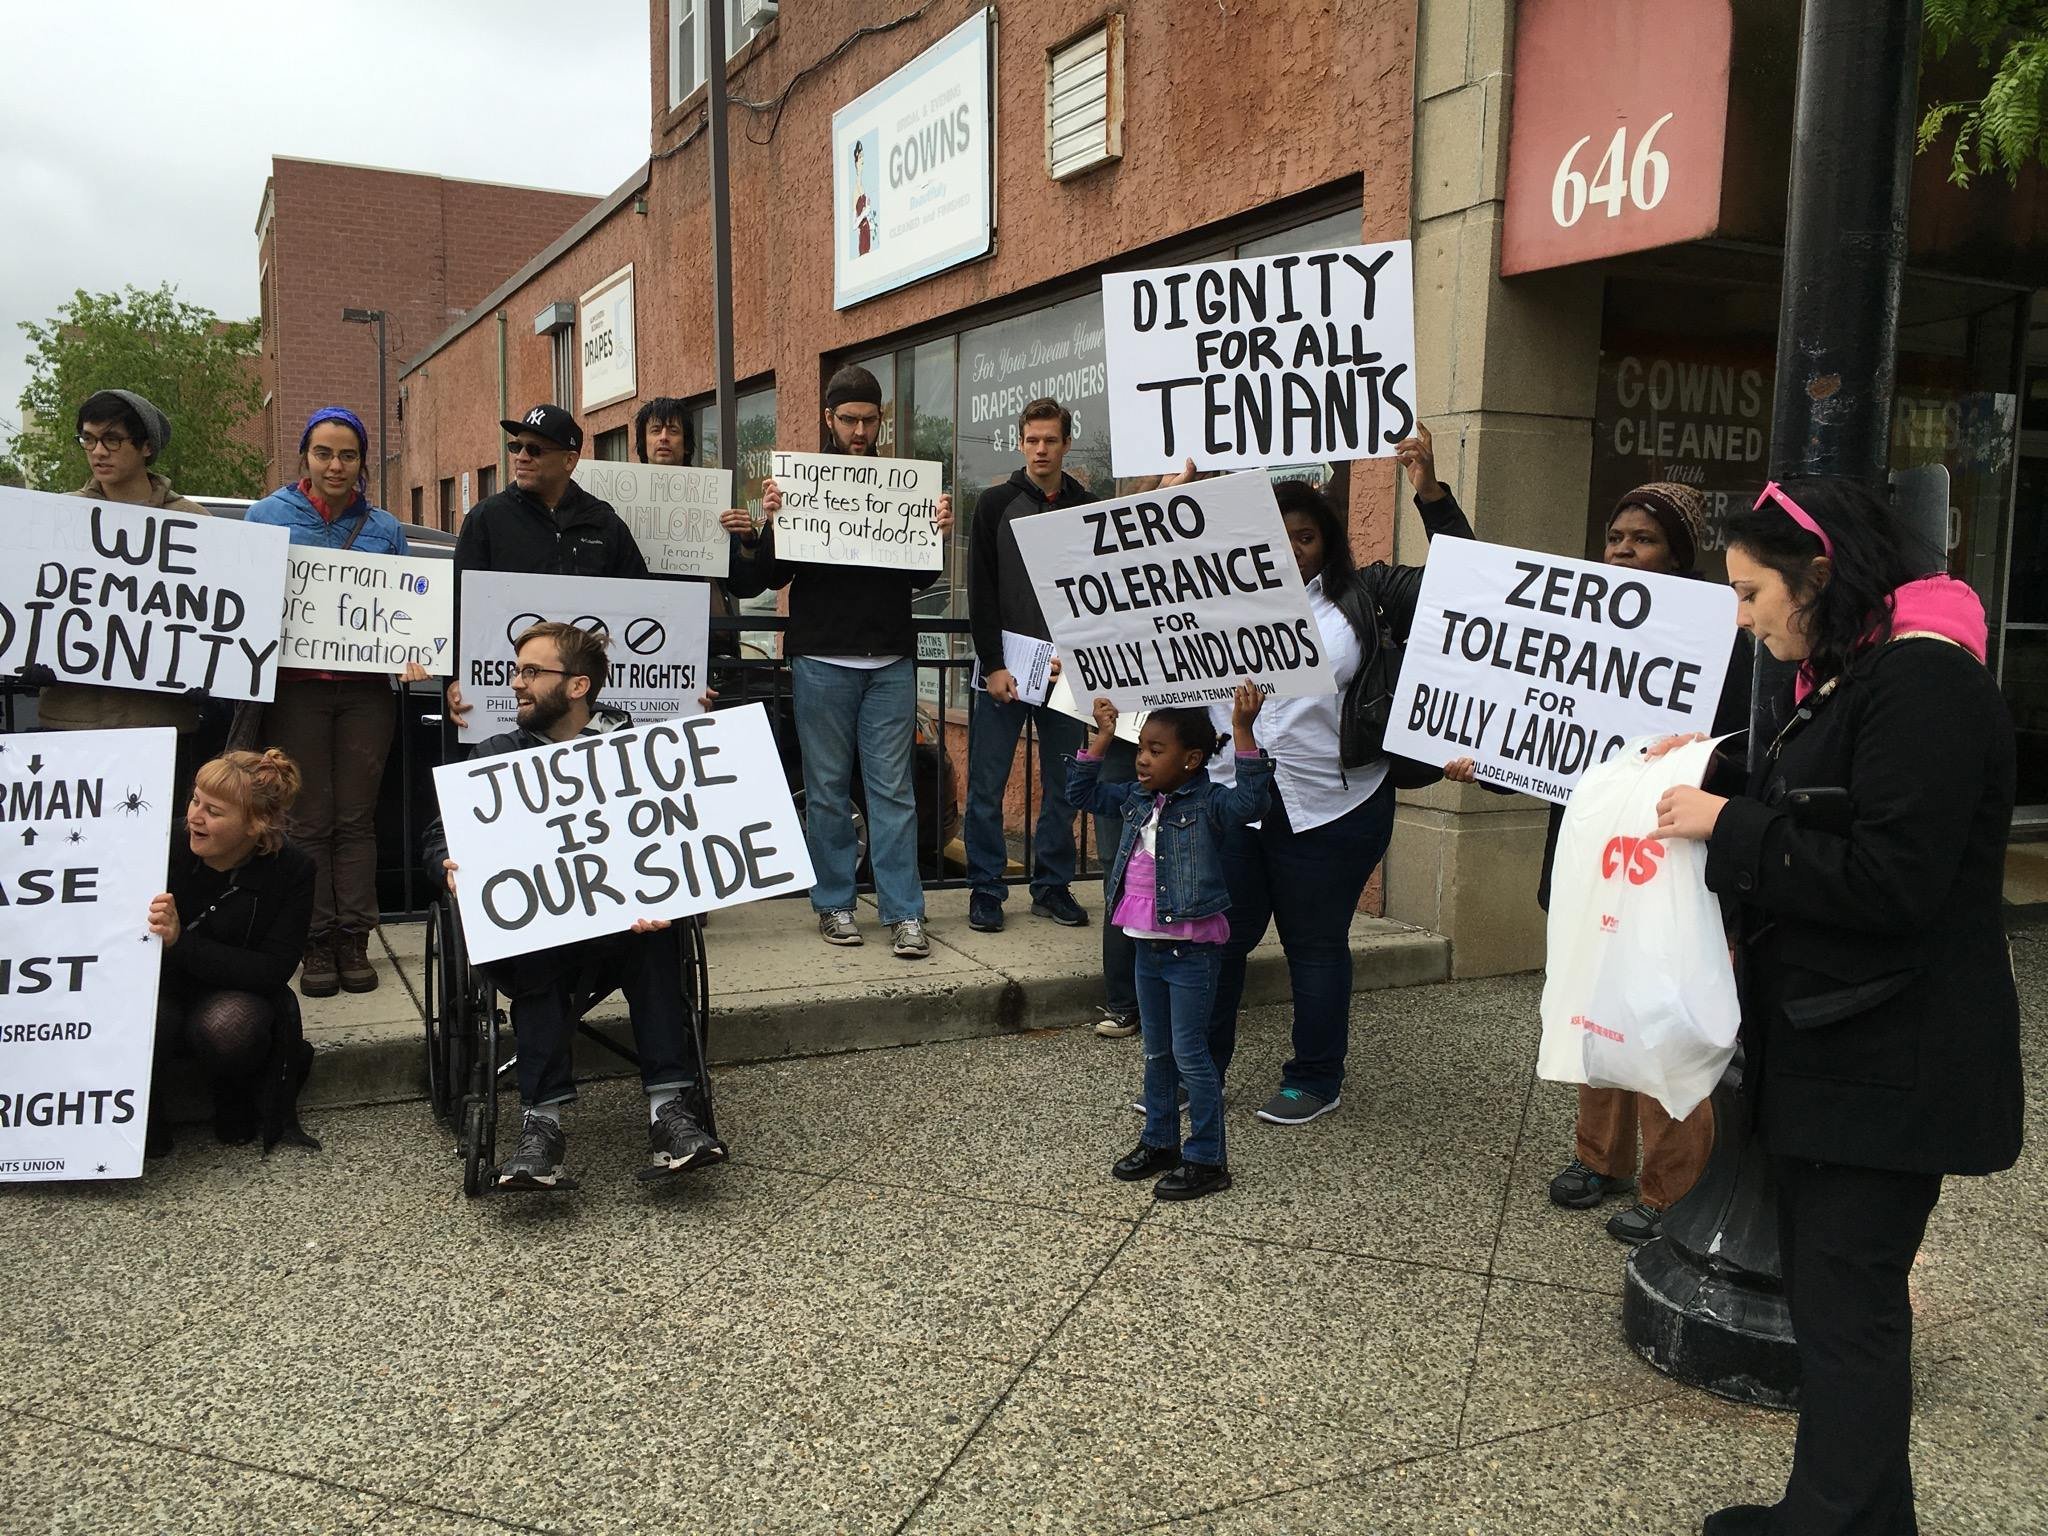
[[351, 954], [317, 975]]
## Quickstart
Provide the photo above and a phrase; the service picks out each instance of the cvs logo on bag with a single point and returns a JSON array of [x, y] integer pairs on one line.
[[1640, 857]]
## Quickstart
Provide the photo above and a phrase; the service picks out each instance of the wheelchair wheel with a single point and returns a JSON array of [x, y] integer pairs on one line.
[[477, 1153], [698, 995], [443, 989], [480, 1108]]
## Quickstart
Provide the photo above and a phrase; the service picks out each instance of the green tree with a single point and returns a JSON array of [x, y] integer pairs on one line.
[[2006, 128], [184, 358]]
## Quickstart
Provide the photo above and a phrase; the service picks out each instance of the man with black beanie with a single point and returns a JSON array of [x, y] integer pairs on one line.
[[852, 646]]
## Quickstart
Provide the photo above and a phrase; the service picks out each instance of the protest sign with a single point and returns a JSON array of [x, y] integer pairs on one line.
[[1540, 666], [345, 612], [82, 854], [134, 597], [841, 509], [1262, 361], [1029, 663], [672, 509], [585, 837], [1175, 596], [660, 636]]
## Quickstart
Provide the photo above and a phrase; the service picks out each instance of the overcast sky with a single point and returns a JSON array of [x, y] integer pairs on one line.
[[138, 136]]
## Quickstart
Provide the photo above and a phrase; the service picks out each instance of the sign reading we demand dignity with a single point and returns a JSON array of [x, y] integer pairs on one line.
[[133, 597], [1275, 359], [1176, 596]]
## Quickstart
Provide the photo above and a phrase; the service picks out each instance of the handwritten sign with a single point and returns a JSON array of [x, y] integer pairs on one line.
[[1263, 361], [673, 510], [132, 597], [1540, 666], [81, 856], [842, 509], [1176, 596], [349, 612], [587, 836], [660, 635]]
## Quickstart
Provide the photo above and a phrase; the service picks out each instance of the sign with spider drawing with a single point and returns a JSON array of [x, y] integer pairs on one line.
[[82, 853]]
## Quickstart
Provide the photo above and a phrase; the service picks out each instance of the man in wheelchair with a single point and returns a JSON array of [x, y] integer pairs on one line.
[[561, 671]]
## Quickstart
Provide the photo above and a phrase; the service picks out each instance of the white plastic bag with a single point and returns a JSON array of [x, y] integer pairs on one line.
[[1640, 993]]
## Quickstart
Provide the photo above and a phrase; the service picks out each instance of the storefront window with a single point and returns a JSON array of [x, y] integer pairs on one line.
[[757, 443]]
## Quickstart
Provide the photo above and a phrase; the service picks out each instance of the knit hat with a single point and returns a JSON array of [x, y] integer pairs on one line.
[[346, 417], [1680, 510], [852, 386], [155, 424]]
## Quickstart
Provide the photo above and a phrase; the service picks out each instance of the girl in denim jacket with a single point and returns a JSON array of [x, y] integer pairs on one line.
[[1166, 892]]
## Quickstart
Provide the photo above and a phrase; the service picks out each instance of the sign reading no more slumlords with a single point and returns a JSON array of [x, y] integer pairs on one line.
[[349, 612], [81, 856], [1176, 596], [1539, 666], [133, 597], [586, 837], [672, 510], [1270, 360], [842, 509]]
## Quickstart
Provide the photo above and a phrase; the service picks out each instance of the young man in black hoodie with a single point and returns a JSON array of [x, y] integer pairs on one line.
[[852, 646], [543, 523], [1001, 598]]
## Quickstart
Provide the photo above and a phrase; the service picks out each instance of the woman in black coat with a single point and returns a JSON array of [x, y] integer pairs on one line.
[[234, 924], [1866, 857]]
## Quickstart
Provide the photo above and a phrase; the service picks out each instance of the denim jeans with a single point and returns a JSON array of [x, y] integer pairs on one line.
[[647, 968], [996, 728], [1119, 949], [872, 712], [1309, 883], [1176, 990]]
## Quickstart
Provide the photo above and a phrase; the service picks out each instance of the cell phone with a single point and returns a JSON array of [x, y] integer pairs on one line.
[[1826, 809]]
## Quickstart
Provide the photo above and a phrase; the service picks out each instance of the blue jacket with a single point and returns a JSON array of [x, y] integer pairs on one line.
[[1188, 845], [288, 508]]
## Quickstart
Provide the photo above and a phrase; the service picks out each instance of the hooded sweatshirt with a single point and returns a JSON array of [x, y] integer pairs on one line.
[[1000, 595], [1938, 605], [75, 707]]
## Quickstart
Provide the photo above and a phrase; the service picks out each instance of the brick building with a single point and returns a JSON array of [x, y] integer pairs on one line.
[[421, 248], [1157, 132]]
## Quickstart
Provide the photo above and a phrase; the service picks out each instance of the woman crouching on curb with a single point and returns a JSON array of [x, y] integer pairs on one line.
[[1166, 892], [1880, 1022], [233, 925]]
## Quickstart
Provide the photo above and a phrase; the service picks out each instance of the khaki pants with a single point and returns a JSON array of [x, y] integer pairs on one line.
[[1674, 1151]]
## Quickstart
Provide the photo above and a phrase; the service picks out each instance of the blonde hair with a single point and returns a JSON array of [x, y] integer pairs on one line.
[[262, 784]]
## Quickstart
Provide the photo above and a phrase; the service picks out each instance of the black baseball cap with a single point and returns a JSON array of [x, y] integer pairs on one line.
[[552, 423]]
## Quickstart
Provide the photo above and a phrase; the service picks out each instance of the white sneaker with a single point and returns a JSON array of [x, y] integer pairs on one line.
[[838, 928]]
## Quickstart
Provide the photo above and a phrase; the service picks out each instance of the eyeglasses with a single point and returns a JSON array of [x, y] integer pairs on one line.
[[113, 442], [347, 458], [528, 674], [522, 446], [852, 422]]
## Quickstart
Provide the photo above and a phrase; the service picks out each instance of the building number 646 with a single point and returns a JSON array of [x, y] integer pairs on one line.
[[1648, 175]]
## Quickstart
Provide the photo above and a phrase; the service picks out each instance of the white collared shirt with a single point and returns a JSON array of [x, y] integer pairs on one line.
[[1300, 735]]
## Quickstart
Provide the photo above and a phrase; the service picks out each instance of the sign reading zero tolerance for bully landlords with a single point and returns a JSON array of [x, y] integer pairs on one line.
[[1176, 596], [1275, 359]]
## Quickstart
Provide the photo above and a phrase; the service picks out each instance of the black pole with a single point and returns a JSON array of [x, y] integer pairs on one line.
[[383, 450], [1705, 1302], [721, 247]]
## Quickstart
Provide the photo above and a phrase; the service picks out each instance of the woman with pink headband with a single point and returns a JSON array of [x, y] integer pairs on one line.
[[1866, 860]]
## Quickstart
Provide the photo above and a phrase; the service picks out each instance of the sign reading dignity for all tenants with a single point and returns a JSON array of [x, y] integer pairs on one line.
[[660, 636], [841, 509], [1264, 361], [673, 510], [1176, 596], [133, 597], [1541, 666], [81, 856], [349, 612], [587, 836]]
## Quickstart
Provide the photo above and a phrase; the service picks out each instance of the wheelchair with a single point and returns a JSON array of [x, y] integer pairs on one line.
[[469, 1035]]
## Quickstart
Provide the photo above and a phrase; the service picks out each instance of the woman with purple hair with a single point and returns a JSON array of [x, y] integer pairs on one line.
[[337, 726]]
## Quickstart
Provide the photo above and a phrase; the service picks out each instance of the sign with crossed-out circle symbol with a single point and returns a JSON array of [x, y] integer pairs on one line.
[[643, 636]]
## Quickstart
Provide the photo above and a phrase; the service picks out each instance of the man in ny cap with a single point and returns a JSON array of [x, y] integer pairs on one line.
[[852, 645], [543, 523]]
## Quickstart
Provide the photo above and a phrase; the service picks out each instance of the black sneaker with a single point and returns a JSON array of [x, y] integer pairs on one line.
[[1116, 1026], [1292, 1106], [537, 1162], [1579, 1188], [984, 913], [678, 1141], [1638, 1224], [1138, 1104], [1191, 1181], [1142, 1162], [1059, 905]]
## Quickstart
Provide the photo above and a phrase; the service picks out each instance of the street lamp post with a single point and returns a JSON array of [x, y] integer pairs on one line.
[[376, 317]]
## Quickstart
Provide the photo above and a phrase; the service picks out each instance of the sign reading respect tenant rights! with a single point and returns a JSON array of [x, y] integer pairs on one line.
[[1175, 596], [132, 597], [1270, 360]]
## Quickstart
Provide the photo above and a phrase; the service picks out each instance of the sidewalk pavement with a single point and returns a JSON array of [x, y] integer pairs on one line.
[[777, 989], [916, 1303]]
